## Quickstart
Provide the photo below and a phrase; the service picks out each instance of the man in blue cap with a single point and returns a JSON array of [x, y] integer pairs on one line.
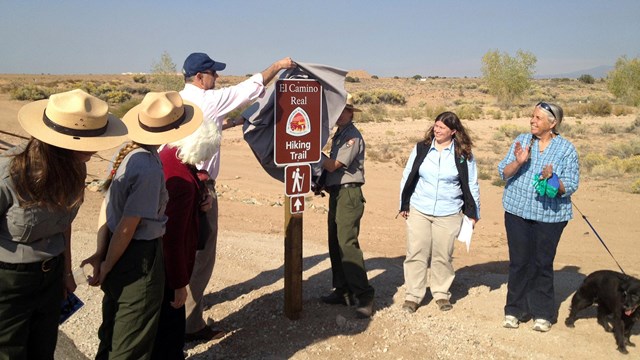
[[200, 75]]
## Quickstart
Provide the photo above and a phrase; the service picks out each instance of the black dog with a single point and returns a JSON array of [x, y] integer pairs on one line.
[[616, 294]]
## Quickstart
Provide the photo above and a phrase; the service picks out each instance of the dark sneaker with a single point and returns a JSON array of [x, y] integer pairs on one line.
[[338, 298], [364, 309], [204, 334], [410, 306], [444, 305]]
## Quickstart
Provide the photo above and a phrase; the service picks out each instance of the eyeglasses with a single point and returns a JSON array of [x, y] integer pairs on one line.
[[547, 107]]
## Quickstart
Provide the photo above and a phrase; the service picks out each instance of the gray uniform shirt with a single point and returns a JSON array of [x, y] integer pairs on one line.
[[138, 190], [28, 235], [348, 148]]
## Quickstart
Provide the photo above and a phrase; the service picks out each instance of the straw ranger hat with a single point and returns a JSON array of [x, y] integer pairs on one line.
[[161, 118], [73, 120], [349, 104]]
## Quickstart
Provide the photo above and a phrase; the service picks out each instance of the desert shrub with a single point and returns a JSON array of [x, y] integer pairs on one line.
[[379, 113], [31, 93], [635, 125], [599, 107], [608, 169], [511, 131], [586, 78], [607, 128], [498, 136], [164, 74], [495, 114], [375, 77], [499, 182], [432, 112], [383, 152], [624, 80], [635, 187], [379, 97], [508, 78], [416, 77], [116, 97], [573, 131], [624, 150], [122, 109], [168, 82], [351, 79], [468, 112], [590, 160], [103, 89], [621, 110], [631, 165], [485, 173], [498, 148], [140, 79], [140, 90], [417, 113]]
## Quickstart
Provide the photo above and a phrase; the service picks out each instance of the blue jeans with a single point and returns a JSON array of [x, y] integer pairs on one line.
[[532, 249]]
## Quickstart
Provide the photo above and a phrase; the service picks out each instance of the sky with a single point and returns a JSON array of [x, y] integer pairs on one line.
[[385, 38]]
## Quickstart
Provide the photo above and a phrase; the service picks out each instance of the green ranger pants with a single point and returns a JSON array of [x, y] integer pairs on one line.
[[30, 302], [133, 293], [346, 207]]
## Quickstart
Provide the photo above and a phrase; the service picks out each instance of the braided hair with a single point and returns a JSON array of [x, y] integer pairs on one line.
[[124, 151]]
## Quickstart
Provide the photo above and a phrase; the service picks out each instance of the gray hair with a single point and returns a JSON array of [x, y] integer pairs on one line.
[[555, 115]]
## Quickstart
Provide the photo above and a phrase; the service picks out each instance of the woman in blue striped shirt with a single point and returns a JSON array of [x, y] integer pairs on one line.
[[541, 170], [439, 185]]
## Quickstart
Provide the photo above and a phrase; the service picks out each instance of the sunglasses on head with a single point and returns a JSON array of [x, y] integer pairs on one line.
[[546, 106]]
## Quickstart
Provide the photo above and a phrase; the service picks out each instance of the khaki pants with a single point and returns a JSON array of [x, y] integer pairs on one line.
[[202, 270], [430, 242]]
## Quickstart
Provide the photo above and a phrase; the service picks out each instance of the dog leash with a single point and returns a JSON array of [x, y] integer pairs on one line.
[[599, 238]]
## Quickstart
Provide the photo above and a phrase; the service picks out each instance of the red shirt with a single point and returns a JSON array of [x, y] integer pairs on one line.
[[180, 241]]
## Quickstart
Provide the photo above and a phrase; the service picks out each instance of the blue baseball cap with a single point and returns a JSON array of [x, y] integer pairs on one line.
[[200, 62]]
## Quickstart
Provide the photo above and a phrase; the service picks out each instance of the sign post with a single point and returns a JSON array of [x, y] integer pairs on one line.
[[297, 142]]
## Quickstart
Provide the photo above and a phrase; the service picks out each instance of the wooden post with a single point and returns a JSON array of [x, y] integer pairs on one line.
[[292, 262]]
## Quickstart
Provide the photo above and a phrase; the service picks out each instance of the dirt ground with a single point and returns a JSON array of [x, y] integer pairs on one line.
[[245, 294]]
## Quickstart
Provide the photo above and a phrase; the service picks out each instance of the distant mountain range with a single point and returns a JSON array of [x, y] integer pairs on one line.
[[597, 72]]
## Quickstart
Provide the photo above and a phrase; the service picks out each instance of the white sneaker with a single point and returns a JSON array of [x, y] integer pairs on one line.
[[541, 325], [511, 322]]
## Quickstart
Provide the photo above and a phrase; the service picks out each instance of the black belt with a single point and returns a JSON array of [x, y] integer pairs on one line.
[[343, 186], [44, 266]]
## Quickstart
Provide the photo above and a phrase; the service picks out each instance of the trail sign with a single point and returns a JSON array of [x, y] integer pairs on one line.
[[297, 179], [297, 204], [298, 121]]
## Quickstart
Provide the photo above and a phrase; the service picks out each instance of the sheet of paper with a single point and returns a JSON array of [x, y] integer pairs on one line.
[[466, 231]]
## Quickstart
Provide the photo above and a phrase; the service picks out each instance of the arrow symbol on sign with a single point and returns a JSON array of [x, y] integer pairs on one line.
[[297, 204]]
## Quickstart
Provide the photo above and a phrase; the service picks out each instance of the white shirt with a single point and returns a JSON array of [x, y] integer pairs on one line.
[[217, 103]]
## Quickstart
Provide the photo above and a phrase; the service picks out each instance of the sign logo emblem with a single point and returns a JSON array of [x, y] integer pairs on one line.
[[298, 123]]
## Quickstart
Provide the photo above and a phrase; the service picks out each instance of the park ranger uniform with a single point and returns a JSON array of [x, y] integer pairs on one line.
[[346, 206]]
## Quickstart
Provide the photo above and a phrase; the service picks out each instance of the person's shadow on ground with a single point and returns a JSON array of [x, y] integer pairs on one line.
[[260, 330], [495, 274]]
